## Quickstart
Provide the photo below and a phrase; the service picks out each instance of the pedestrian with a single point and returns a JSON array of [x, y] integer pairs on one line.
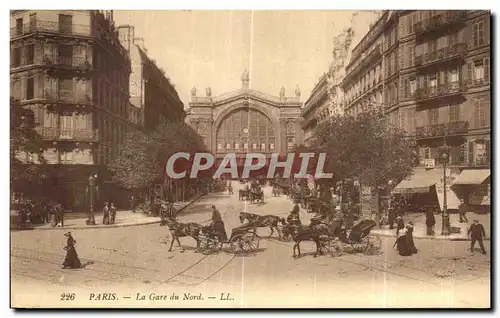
[[400, 224], [112, 213], [477, 233], [462, 210], [409, 237], [132, 204], [71, 260], [402, 243], [430, 221], [105, 213]]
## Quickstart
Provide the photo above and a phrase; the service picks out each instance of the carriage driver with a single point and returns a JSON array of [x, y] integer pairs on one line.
[[294, 217], [218, 225]]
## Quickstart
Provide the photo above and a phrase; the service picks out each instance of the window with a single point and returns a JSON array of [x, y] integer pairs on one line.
[[478, 33], [411, 56], [19, 26], [65, 23], [481, 119], [453, 76], [454, 113], [30, 87], [66, 88], [236, 146], [30, 54], [49, 119], [432, 46], [16, 89], [411, 23], [271, 146], [263, 146], [33, 21], [480, 152], [254, 146], [17, 57], [452, 39], [433, 116], [245, 145], [219, 146], [66, 126], [413, 86], [67, 157]]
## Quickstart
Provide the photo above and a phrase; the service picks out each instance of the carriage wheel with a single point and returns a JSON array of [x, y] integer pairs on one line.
[[237, 244], [251, 243], [374, 244]]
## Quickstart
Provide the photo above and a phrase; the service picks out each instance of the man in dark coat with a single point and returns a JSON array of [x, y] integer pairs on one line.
[[105, 213], [430, 221], [112, 213], [400, 224], [477, 233], [218, 224]]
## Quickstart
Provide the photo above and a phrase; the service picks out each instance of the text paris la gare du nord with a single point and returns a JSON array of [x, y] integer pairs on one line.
[[203, 165]]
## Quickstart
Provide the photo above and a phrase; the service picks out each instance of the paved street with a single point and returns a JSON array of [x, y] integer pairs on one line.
[[133, 260]]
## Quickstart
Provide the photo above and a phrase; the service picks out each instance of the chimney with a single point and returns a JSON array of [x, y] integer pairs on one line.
[[125, 35], [140, 43]]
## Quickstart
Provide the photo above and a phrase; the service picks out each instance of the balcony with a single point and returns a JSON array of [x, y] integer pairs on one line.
[[445, 54], [63, 96], [440, 22], [68, 134], [477, 82], [39, 26], [457, 128], [67, 62], [443, 90], [363, 62]]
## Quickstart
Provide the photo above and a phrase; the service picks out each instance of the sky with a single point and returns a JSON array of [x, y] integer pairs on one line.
[[212, 48]]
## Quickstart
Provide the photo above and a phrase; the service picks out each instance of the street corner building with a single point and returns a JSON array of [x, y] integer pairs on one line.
[[246, 121], [88, 83]]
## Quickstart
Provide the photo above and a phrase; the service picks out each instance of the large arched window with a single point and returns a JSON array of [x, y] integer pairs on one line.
[[246, 130]]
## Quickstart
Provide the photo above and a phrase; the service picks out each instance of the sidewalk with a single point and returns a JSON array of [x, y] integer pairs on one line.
[[420, 229], [123, 219]]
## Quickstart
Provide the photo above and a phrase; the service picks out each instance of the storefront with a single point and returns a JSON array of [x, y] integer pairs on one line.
[[474, 187]]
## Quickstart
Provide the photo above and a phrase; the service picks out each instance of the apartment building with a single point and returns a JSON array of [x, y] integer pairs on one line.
[[436, 86], [317, 108], [71, 70], [151, 91]]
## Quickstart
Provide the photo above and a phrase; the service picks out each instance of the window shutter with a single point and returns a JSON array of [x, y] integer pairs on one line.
[[471, 152], [487, 143], [487, 70]]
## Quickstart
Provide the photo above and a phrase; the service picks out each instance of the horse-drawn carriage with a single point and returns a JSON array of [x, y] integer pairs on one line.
[[359, 238], [256, 194], [243, 239]]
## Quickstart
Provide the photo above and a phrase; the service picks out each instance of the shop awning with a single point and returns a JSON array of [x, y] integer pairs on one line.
[[419, 182], [470, 176]]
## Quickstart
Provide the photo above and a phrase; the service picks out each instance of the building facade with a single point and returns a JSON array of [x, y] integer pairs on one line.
[[70, 69], [436, 86], [151, 91], [245, 121], [317, 108]]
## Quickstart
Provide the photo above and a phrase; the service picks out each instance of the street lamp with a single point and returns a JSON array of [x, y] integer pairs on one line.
[[92, 191], [445, 230]]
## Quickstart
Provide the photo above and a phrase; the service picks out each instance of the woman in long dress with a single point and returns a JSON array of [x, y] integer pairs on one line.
[[402, 243], [71, 260], [409, 237]]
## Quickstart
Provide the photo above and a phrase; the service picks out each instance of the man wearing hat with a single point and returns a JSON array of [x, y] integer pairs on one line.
[[477, 233]]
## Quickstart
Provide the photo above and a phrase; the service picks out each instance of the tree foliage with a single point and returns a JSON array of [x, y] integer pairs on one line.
[[144, 154], [24, 139], [364, 147]]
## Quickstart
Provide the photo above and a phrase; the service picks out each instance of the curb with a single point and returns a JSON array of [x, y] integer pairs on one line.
[[438, 238], [101, 226]]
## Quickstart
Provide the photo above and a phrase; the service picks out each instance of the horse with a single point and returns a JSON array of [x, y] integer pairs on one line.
[[314, 232], [262, 221], [243, 194], [178, 229], [256, 195]]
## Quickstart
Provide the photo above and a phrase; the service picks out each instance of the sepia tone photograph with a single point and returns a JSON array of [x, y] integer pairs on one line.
[[250, 159]]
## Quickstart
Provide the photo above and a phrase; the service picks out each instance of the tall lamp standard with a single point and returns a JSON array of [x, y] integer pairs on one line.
[[92, 188], [445, 230]]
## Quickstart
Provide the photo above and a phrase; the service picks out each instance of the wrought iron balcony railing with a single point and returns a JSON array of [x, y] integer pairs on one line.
[[446, 53], [67, 96], [475, 82], [76, 62], [49, 133], [439, 130], [447, 89], [436, 22], [50, 27]]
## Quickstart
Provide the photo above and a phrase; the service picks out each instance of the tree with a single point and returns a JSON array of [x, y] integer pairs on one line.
[[24, 140], [144, 154], [364, 147]]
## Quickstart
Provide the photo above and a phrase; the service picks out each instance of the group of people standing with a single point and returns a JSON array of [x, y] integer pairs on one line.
[[109, 213]]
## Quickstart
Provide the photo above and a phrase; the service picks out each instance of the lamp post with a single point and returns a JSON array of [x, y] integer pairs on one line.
[[445, 230], [92, 191]]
